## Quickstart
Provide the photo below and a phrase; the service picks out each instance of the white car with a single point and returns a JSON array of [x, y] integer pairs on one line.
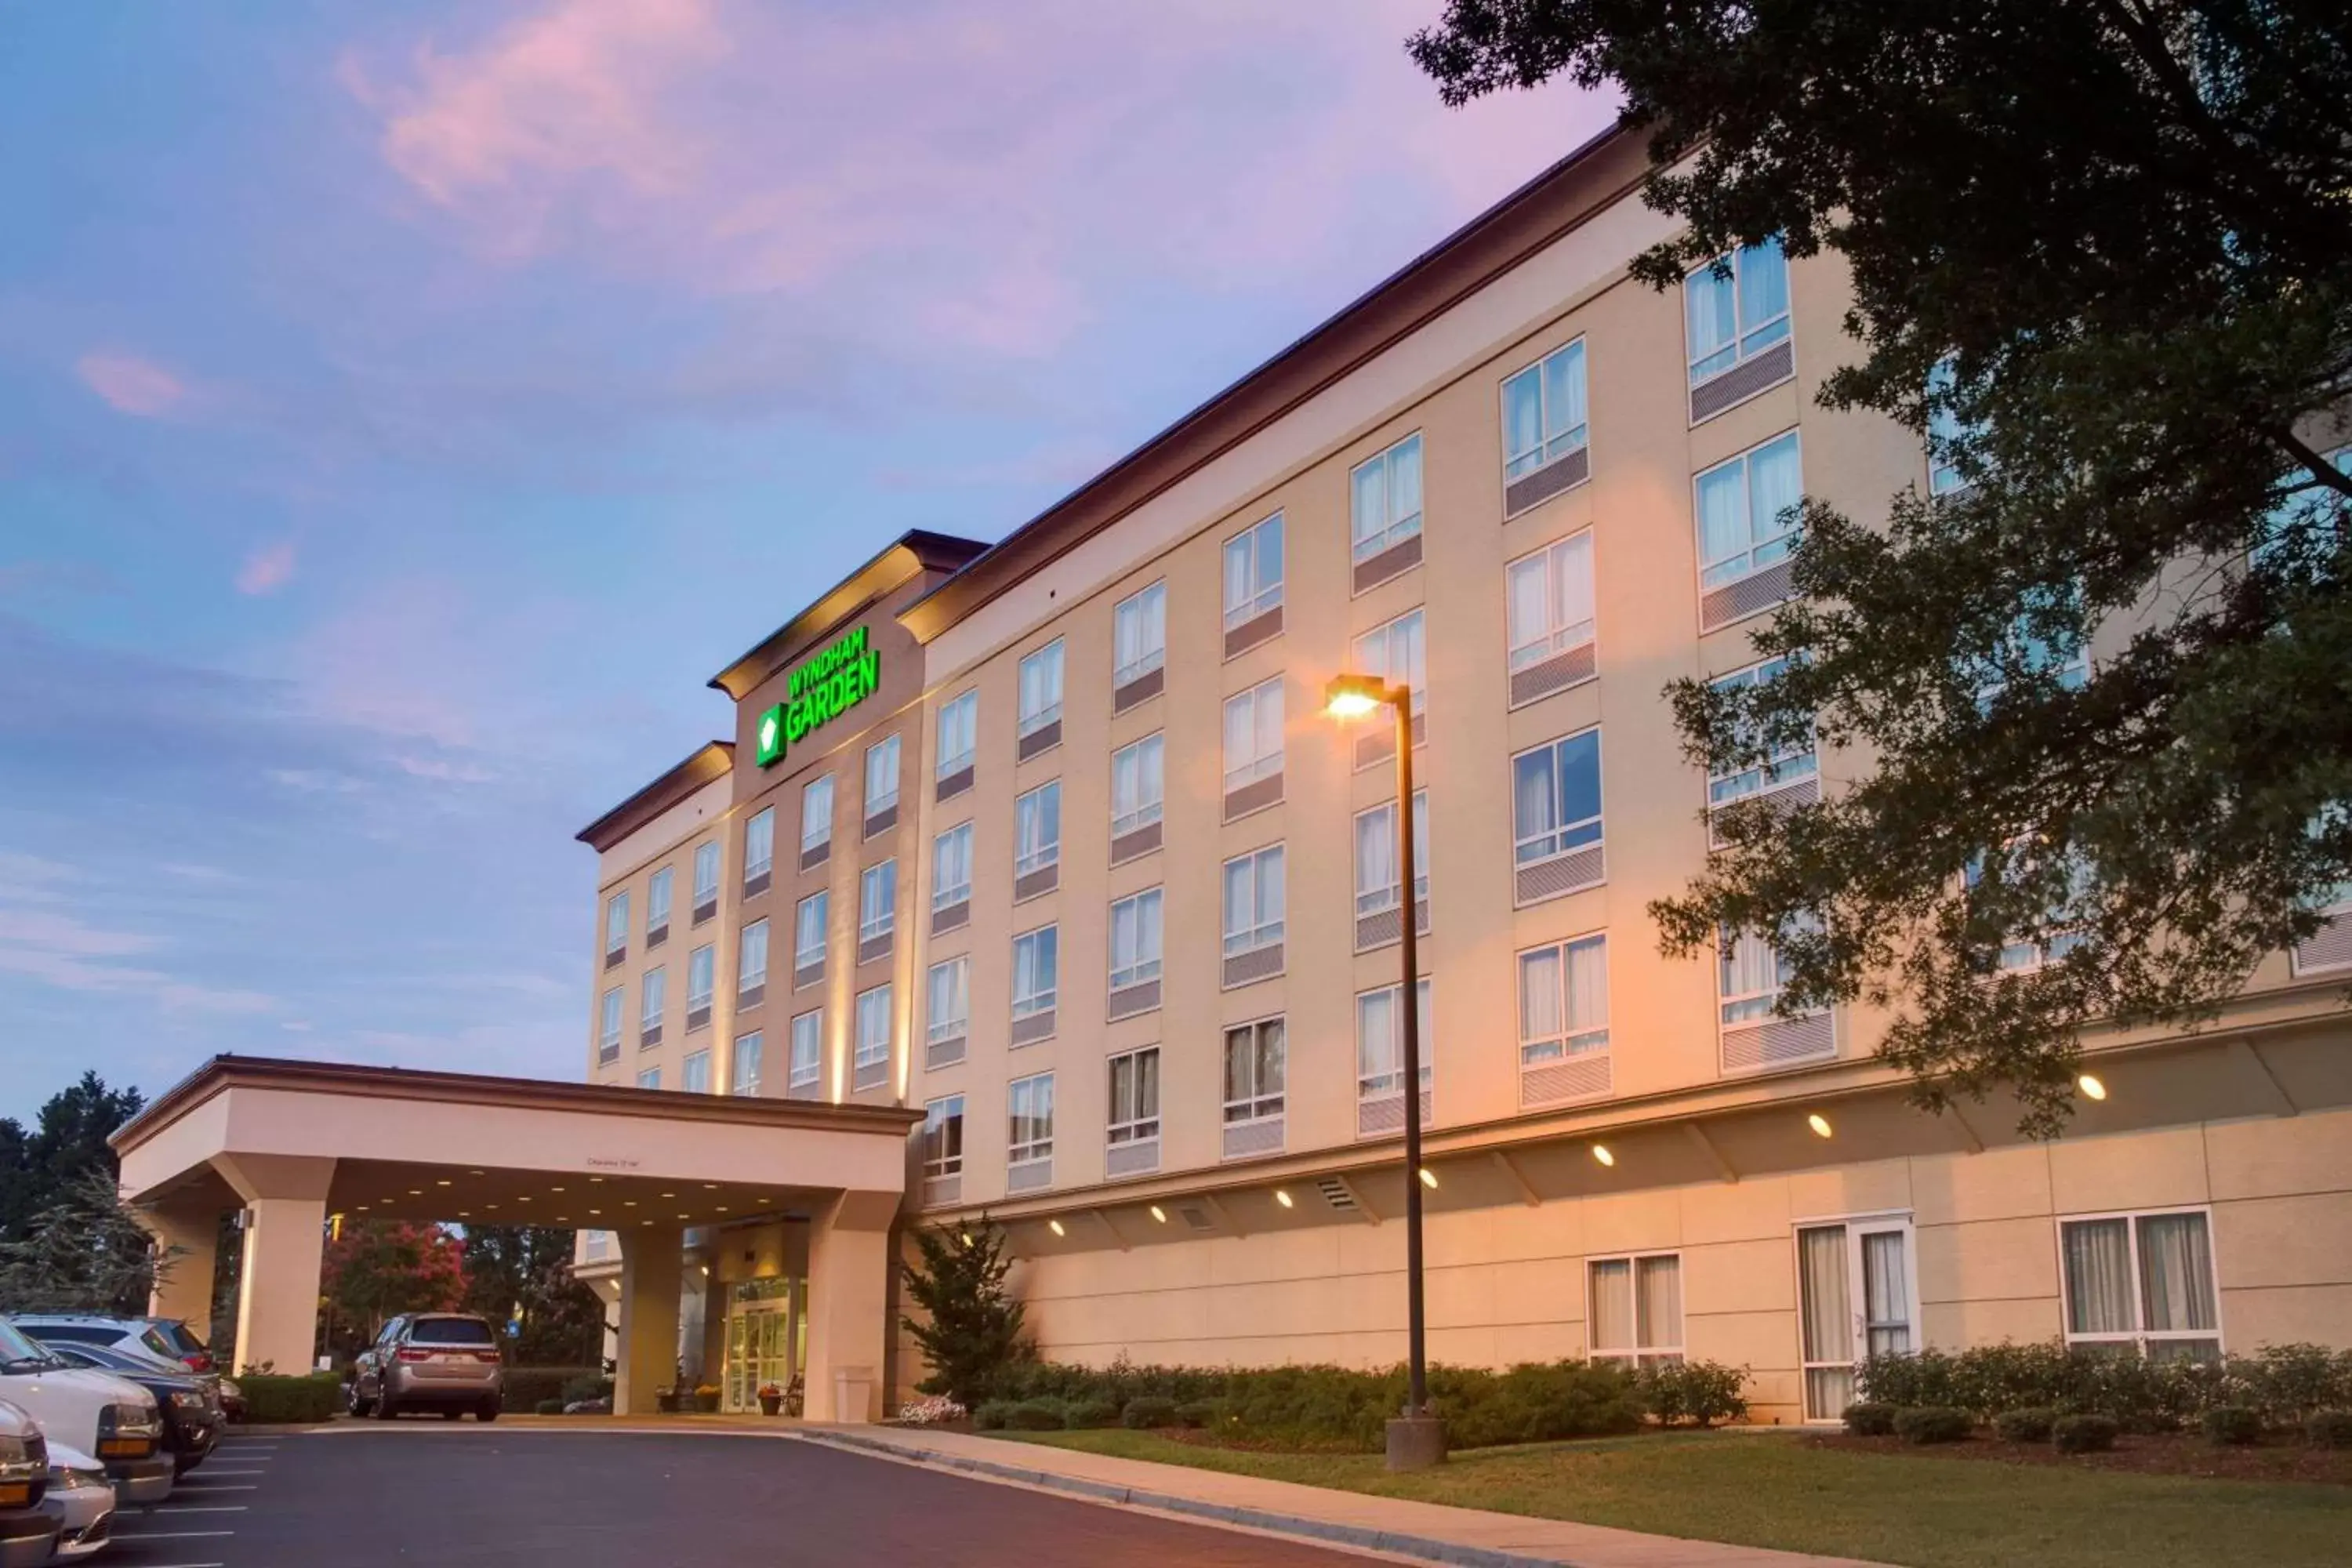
[[81, 1500], [94, 1411], [26, 1534]]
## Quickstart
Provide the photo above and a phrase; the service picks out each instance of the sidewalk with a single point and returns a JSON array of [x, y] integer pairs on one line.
[[1469, 1538]]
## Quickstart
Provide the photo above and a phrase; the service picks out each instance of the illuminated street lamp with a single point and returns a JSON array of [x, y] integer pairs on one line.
[[1416, 1440]]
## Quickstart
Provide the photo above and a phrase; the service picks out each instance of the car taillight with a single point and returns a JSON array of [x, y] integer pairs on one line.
[[414, 1356], [489, 1356]]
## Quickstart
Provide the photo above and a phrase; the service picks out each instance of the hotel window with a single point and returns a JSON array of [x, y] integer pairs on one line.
[[743, 1071], [1037, 836], [958, 734], [701, 979], [1544, 413], [1792, 769], [1637, 1316], [1747, 518], [948, 1009], [1753, 969], [1380, 1043], [1139, 635], [1036, 972], [608, 1025], [649, 1078], [952, 866], [759, 850], [616, 929], [881, 780], [706, 880], [1254, 1072], [1138, 793], [1384, 499], [1377, 884], [751, 963], [694, 1073], [1751, 974], [1556, 816], [816, 818], [1135, 940], [1254, 738], [2066, 659], [1253, 574], [658, 897], [1736, 308], [809, 920], [1564, 1002], [1946, 433], [2142, 1281], [1253, 901], [872, 1015], [807, 1065], [1396, 653], [943, 1138], [1030, 1123], [877, 903], [1134, 1111], [1041, 689], [653, 995], [1551, 632], [1855, 1282]]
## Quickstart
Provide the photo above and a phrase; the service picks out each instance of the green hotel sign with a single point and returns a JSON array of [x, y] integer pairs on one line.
[[825, 687]]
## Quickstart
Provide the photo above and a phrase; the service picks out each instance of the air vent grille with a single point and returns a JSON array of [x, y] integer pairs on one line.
[[1335, 1193], [1197, 1218]]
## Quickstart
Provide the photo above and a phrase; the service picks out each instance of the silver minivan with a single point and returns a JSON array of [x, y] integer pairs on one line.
[[447, 1361]]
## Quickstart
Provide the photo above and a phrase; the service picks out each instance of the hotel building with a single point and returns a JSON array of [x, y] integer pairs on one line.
[[1073, 863]]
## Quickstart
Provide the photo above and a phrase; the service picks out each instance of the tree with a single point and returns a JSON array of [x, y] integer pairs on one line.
[[379, 1268], [526, 1271], [972, 1327], [2102, 260], [41, 1168], [85, 1252]]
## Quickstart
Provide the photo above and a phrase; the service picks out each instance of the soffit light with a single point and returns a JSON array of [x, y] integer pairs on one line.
[[1056, 1227], [1428, 1177], [1820, 1124], [1282, 1197], [2092, 1088], [1600, 1153], [1158, 1214]]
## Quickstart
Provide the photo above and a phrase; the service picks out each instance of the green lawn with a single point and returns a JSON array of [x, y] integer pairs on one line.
[[1759, 1491]]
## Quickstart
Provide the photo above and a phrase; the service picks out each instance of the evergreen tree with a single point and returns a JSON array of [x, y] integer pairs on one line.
[[527, 1269], [85, 1252], [970, 1327]]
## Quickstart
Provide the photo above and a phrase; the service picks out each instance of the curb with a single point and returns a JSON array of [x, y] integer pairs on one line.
[[1428, 1549]]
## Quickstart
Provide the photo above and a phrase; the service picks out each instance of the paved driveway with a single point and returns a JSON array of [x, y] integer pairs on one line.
[[420, 1493]]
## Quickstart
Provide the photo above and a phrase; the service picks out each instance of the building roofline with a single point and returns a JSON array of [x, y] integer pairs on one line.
[[1561, 198], [916, 550], [711, 759]]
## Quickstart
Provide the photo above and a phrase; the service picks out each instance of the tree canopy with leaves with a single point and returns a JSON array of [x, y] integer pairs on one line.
[[39, 1167], [2101, 258]]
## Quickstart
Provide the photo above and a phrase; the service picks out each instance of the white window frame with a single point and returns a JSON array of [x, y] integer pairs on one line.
[[2141, 1337], [1529, 649], [610, 1013], [951, 858], [1137, 1126], [821, 900], [750, 944], [659, 890], [807, 1029], [882, 769], [740, 1082], [1535, 1050], [816, 813], [1145, 608], [1144, 913], [695, 1066], [1762, 551], [1257, 1105], [1777, 772], [1549, 449], [1248, 592], [1747, 338], [1388, 1084], [1373, 652], [1044, 713], [1259, 763], [1636, 1355], [1369, 536], [649, 1078], [1045, 940], [959, 733], [706, 959], [616, 925], [938, 1161], [760, 843], [1860, 1327], [1944, 428], [1371, 901], [653, 996], [877, 899], [1258, 932], [949, 1018], [1751, 1006], [708, 854], [1028, 824], [1145, 761], [871, 1021], [1022, 1098], [1563, 835]]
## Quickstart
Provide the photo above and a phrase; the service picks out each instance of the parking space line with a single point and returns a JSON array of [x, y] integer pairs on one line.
[[198, 1507], [211, 1486], [168, 1534]]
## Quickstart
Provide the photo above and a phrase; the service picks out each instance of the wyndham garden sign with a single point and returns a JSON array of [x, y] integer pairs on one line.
[[822, 688]]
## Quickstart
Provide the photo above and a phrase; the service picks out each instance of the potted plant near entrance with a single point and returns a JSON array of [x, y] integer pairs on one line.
[[772, 1399], [665, 1401], [706, 1398]]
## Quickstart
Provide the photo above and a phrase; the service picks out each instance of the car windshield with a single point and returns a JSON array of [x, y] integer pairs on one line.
[[17, 1353], [452, 1331]]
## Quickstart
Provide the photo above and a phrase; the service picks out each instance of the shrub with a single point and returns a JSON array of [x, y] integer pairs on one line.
[[992, 1413], [315, 1397], [529, 1387], [587, 1388], [2085, 1434], [1036, 1415], [1199, 1413], [548, 1408], [1871, 1419], [2328, 1429], [1148, 1413], [1932, 1424], [1703, 1392], [1084, 1415], [2031, 1425], [2229, 1425], [2288, 1383]]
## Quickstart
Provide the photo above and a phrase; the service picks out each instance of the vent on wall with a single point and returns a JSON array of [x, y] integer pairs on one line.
[[1335, 1193], [1197, 1218]]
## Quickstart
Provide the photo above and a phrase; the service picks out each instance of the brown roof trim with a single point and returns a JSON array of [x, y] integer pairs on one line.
[[225, 1072], [918, 549], [710, 761], [1556, 200]]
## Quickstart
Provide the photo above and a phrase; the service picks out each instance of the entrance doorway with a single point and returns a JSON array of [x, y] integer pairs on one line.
[[767, 1335]]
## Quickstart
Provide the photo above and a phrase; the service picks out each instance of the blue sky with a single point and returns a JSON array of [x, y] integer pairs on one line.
[[404, 410]]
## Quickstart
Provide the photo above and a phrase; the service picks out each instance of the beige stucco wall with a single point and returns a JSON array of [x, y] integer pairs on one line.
[[668, 840]]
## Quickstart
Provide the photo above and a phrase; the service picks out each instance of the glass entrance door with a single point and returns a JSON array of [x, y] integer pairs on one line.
[[1857, 1285], [763, 1340]]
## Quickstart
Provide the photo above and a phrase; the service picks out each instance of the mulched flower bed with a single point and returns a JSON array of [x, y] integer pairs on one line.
[[2281, 1458]]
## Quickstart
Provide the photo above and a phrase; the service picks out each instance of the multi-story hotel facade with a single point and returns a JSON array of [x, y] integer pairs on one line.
[[1141, 968]]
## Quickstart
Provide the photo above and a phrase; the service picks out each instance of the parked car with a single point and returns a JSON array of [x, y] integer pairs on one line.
[[95, 1412], [166, 1339], [190, 1402], [81, 1502], [447, 1361], [27, 1535]]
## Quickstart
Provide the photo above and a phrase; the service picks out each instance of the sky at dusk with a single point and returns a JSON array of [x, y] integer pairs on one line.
[[405, 409]]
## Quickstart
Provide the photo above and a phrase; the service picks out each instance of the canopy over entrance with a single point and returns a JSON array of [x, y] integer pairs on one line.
[[291, 1142]]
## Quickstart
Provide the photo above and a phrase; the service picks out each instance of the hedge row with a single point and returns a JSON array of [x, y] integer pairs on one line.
[[268, 1397], [529, 1387], [2284, 1383]]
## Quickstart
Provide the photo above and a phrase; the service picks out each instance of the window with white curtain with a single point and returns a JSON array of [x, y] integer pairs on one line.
[[1041, 687], [616, 925], [1395, 652], [1635, 1309], [1254, 572], [873, 1017], [1376, 855], [1036, 971], [760, 843], [952, 866], [1254, 1068], [959, 733], [1253, 901], [1037, 829], [608, 1022], [943, 1137], [2066, 659], [1551, 595], [752, 957], [657, 901], [1253, 734], [694, 1073], [1784, 766], [1749, 974], [1563, 1000], [878, 901], [649, 1078], [808, 1051], [653, 995], [948, 1001], [1856, 1283], [816, 813], [1135, 940], [809, 920], [1134, 1110], [1380, 1041], [1736, 307], [881, 776], [1029, 1130], [2144, 1281], [701, 978], [743, 1070], [1137, 791], [706, 880], [1543, 412], [1746, 512], [1138, 635], [1556, 797], [1384, 498]]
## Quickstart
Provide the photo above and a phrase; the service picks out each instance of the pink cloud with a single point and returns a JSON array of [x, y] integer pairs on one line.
[[129, 384], [267, 570]]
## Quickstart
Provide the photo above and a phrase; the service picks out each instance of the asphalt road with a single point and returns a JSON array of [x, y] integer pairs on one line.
[[460, 1495]]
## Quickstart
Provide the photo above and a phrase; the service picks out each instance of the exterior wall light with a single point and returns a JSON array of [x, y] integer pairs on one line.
[[1428, 1177], [1158, 1214], [1819, 1124], [1600, 1153], [1282, 1197], [1056, 1227], [2091, 1086]]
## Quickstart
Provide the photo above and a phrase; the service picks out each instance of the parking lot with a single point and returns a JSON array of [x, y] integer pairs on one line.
[[423, 1492]]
